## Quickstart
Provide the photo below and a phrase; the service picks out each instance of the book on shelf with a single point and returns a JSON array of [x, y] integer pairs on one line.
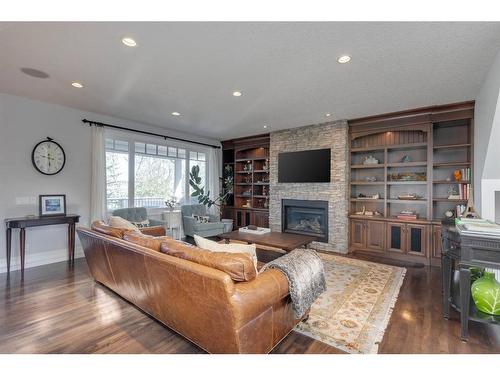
[[407, 217]]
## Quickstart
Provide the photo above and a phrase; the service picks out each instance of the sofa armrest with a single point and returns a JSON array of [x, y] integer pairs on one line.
[[254, 297], [153, 231], [188, 223]]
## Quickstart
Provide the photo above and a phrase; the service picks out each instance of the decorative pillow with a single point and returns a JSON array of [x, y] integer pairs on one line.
[[201, 219], [239, 266], [121, 223], [141, 224], [103, 228], [151, 242], [210, 245]]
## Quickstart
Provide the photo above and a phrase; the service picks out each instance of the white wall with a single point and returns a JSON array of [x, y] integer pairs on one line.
[[23, 123], [487, 136]]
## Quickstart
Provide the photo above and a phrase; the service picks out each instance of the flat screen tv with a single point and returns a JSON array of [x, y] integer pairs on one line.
[[304, 166]]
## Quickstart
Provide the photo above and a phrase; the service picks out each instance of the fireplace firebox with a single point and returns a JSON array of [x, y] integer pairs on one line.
[[307, 217]]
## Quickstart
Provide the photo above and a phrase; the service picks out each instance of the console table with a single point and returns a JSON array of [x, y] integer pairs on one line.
[[22, 223], [465, 250]]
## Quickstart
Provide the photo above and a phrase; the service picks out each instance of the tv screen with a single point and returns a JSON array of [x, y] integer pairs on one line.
[[304, 166]]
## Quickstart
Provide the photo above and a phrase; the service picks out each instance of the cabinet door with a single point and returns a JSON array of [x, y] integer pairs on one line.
[[239, 218], [358, 233], [375, 235], [247, 218], [416, 239], [396, 237], [261, 219], [436, 241]]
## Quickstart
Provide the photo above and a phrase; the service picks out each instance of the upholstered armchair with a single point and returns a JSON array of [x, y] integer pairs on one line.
[[137, 215], [191, 227]]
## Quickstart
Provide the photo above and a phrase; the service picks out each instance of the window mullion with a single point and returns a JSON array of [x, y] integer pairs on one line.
[[131, 175]]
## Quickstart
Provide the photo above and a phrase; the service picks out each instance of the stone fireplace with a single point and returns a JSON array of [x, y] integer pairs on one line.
[[333, 223], [305, 217]]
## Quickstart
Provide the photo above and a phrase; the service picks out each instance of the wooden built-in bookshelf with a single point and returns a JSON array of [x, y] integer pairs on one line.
[[249, 160], [417, 152]]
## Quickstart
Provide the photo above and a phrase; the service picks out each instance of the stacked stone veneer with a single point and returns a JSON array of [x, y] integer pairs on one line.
[[331, 135]]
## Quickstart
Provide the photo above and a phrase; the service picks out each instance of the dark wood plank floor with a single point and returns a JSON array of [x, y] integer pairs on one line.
[[61, 310]]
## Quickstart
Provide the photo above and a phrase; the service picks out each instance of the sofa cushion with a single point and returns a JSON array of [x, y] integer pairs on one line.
[[151, 242], [119, 222], [238, 266], [103, 228], [207, 244]]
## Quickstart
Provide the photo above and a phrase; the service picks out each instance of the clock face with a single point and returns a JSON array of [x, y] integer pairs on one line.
[[48, 157]]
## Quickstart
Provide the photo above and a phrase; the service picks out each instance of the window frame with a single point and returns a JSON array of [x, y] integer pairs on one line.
[[132, 139]]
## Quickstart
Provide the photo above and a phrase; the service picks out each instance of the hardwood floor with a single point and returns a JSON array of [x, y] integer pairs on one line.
[[56, 309]]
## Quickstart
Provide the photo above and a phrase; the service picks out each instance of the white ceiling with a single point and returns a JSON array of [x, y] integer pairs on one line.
[[287, 71]]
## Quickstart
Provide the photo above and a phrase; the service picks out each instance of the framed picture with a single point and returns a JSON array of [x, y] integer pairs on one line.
[[52, 205]]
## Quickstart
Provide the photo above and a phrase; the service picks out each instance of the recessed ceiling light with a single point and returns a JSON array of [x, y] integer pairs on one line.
[[176, 114], [78, 85], [344, 59], [34, 73], [328, 114], [265, 126], [129, 42], [237, 93]]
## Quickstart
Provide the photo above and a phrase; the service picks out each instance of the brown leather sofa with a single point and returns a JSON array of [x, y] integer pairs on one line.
[[192, 292]]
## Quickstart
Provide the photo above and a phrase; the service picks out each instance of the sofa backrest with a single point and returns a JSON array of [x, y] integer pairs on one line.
[[193, 209]]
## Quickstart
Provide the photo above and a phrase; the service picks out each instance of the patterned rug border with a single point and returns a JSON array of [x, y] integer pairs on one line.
[[379, 335]]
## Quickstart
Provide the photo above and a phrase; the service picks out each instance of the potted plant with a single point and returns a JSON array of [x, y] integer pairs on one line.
[[204, 197]]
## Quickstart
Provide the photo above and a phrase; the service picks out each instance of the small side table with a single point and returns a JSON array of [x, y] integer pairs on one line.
[[173, 220], [465, 250], [22, 223]]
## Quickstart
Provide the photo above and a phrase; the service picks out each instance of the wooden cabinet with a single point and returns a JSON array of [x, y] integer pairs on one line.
[[368, 234], [436, 241], [416, 239], [243, 218], [261, 219], [358, 233], [396, 237], [375, 235], [407, 238]]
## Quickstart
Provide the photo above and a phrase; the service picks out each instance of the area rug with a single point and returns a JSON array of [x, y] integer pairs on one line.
[[353, 313]]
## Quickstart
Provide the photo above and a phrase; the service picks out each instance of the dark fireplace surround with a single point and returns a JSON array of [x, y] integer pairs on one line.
[[307, 217]]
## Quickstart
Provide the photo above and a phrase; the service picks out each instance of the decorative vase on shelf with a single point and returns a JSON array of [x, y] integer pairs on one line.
[[486, 294]]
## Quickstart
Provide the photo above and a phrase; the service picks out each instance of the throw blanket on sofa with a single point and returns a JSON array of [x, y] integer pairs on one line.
[[306, 277]]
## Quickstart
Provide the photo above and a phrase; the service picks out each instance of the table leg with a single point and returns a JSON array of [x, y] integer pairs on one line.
[[69, 242], [464, 302], [9, 242], [73, 240], [22, 247], [446, 280]]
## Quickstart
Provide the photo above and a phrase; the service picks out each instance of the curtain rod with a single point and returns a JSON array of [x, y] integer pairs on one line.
[[85, 121]]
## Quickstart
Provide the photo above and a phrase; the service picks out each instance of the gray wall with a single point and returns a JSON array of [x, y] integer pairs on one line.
[[487, 131], [23, 123]]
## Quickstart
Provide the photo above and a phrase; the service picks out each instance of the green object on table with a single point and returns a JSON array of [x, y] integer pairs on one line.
[[486, 294]]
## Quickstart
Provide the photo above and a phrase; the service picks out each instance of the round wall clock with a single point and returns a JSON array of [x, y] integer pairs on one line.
[[48, 157]]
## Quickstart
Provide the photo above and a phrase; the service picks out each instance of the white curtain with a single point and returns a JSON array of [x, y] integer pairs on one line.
[[214, 159], [98, 177]]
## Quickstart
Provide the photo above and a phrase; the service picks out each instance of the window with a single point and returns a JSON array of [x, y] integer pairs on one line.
[[146, 174], [197, 158], [117, 174]]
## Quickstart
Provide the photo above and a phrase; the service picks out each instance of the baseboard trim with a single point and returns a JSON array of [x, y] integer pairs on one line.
[[39, 259]]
